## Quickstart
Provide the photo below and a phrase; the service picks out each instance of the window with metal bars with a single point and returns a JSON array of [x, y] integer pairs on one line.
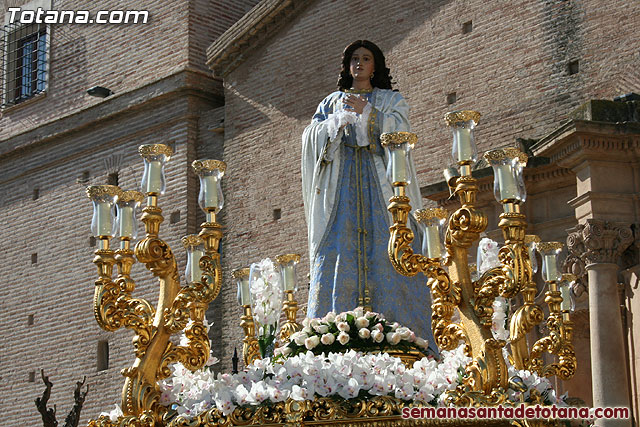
[[25, 53]]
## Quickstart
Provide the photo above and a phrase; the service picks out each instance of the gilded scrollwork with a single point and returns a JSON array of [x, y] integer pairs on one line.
[[150, 150], [203, 166], [455, 117]]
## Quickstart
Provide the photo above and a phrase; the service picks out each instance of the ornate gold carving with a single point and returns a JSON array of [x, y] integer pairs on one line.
[[455, 117], [549, 246], [192, 240], [283, 259], [97, 192], [398, 138], [506, 153], [531, 238], [130, 196], [241, 273], [250, 347], [150, 150], [208, 165], [423, 215], [290, 309]]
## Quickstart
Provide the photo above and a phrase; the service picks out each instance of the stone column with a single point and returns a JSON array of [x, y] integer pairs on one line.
[[601, 244]]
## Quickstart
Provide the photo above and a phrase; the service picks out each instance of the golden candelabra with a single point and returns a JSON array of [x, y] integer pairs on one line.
[[179, 308], [486, 376]]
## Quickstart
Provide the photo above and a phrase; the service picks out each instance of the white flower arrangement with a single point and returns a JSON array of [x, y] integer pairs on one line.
[[342, 375], [346, 375], [356, 329], [266, 302]]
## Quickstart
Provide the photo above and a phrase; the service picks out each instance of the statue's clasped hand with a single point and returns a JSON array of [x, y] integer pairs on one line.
[[355, 103]]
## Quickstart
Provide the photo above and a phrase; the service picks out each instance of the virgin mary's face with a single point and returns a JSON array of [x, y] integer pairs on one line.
[[362, 64]]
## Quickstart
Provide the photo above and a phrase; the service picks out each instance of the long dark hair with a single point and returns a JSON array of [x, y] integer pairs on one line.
[[381, 77]]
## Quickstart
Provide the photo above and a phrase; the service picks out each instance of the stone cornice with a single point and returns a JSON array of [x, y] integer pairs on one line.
[[194, 83], [576, 140], [261, 22]]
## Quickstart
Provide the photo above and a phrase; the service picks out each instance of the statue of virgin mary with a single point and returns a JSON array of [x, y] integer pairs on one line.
[[346, 192]]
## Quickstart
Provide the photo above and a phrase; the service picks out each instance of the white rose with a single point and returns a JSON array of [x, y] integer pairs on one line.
[[330, 317], [343, 326], [362, 322], [393, 338], [300, 338], [359, 312], [377, 335], [343, 338], [364, 333], [312, 342], [285, 351], [321, 329], [404, 332], [327, 339], [422, 343]]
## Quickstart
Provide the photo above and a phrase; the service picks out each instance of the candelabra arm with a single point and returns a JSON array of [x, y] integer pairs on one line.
[[557, 342], [140, 392], [399, 249], [189, 307], [290, 309], [250, 346]]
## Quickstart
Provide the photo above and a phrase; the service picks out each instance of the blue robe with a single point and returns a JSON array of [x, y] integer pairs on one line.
[[346, 194]]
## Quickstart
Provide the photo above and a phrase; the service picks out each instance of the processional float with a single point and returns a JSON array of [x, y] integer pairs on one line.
[[181, 309]]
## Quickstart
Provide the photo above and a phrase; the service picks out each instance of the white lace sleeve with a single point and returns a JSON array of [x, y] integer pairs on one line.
[[338, 119], [362, 133]]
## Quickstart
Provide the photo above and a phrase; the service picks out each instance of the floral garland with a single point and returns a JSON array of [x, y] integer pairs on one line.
[[355, 329]]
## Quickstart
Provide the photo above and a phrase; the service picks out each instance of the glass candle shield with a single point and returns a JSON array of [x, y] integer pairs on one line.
[[462, 124], [241, 276], [397, 146], [210, 173], [288, 264], [566, 284], [432, 220], [531, 240], [549, 252], [195, 250], [155, 157], [508, 182], [126, 206], [103, 198]]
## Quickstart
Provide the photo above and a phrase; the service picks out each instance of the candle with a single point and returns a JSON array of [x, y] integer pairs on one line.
[[103, 225], [565, 291], [432, 245], [125, 220], [288, 277], [398, 165], [210, 184], [154, 177], [506, 182], [462, 144], [244, 297], [195, 273], [550, 267]]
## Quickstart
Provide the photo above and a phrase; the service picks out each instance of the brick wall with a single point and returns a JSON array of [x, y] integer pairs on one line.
[[57, 145]]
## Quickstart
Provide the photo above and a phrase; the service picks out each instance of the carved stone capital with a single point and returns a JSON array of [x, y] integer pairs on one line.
[[598, 241]]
